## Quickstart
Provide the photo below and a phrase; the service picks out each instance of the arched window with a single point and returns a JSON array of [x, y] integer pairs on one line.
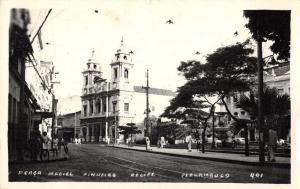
[[125, 57], [126, 73], [116, 73], [95, 66]]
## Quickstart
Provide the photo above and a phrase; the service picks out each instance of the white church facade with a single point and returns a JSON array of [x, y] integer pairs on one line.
[[107, 102]]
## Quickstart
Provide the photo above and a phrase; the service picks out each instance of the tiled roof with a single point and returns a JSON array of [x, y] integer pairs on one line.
[[156, 91], [279, 70]]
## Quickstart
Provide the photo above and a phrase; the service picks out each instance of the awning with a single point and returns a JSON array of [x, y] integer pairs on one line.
[[44, 114]]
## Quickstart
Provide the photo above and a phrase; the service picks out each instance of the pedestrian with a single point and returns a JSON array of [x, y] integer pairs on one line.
[[55, 145], [147, 143], [198, 145], [197, 137], [46, 141], [272, 143], [188, 139], [233, 142], [35, 142], [162, 141], [158, 143]]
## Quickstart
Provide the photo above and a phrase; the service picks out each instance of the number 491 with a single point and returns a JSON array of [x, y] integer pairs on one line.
[[256, 175]]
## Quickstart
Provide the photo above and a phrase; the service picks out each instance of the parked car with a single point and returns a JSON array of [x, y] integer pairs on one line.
[[240, 140]]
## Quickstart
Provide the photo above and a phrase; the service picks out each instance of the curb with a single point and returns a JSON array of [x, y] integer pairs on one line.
[[37, 162], [267, 164]]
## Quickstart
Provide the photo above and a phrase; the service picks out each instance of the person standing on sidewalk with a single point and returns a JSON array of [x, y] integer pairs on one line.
[[162, 141], [272, 143], [148, 143], [188, 139], [35, 142]]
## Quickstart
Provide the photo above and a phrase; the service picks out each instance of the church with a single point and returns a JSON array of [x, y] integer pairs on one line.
[[107, 103]]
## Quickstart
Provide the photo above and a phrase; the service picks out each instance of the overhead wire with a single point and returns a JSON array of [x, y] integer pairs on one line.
[[32, 61]]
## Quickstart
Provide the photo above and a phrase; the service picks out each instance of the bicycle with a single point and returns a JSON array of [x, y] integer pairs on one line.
[[44, 153]]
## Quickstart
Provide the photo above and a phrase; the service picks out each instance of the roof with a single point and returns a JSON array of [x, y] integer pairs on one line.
[[279, 70], [155, 91]]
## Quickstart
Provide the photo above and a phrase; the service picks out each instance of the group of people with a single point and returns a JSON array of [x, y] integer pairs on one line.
[[77, 140], [41, 142], [161, 142]]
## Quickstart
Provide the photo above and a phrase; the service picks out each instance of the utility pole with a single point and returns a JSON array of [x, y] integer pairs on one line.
[[147, 104], [116, 126], [213, 128], [75, 127], [54, 104], [260, 111]]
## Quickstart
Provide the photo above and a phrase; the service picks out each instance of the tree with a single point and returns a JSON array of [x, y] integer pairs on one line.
[[271, 25], [275, 26], [226, 70], [275, 106], [129, 130]]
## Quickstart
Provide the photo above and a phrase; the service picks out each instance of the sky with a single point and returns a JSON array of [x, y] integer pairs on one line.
[[157, 46]]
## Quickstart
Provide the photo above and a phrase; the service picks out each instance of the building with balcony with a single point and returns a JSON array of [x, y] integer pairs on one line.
[[275, 76]]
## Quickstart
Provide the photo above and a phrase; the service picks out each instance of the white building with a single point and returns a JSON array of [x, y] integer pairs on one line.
[[276, 76], [106, 101]]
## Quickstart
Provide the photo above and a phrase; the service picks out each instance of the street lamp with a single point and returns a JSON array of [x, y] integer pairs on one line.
[[116, 125]]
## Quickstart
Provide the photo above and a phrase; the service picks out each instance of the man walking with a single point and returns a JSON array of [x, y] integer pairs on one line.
[[188, 139], [272, 143]]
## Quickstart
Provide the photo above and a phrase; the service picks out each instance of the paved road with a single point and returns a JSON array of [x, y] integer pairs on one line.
[[92, 162]]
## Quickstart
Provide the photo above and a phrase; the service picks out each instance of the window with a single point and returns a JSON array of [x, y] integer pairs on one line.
[[98, 106], [242, 112], [86, 80], [91, 107], [109, 105], [280, 91], [126, 107], [125, 57], [116, 72], [235, 113], [126, 73], [84, 110], [114, 106], [118, 57], [95, 66], [104, 104]]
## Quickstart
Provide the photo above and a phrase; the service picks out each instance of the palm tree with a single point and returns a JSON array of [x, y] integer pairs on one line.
[[275, 106]]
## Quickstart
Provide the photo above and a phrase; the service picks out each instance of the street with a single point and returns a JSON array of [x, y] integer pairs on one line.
[[98, 163]]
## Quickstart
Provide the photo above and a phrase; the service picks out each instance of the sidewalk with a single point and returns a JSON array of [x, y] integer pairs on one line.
[[283, 162], [61, 156]]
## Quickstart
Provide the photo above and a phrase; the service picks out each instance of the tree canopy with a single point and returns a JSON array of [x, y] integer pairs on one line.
[[129, 129], [271, 25], [276, 105], [226, 70]]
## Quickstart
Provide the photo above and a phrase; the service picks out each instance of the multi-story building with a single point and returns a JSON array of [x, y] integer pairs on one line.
[[69, 125], [29, 100], [277, 76], [106, 102]]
